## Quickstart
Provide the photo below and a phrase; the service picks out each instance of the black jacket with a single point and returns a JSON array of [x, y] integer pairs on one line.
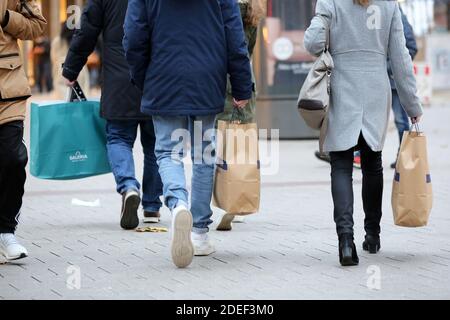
[[120, 99]]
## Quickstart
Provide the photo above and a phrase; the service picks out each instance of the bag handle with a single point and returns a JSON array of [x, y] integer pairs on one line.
[[326, 49], [237, 115], [415, 126], [76, 93]]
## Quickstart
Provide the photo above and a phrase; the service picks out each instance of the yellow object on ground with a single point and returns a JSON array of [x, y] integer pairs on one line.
[[152, 229]]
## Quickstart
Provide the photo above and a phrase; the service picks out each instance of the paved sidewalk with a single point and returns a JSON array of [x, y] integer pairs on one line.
[[287, 251]]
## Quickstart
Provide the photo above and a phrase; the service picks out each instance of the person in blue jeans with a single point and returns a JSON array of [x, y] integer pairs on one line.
[[120, 106], [401, 118], [180, 53], [121, 136]]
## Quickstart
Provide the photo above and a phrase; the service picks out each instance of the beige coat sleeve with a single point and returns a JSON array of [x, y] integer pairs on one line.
[[3, 6], [28, 24]]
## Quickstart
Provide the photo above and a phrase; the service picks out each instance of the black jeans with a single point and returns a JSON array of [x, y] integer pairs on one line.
[[342, 188], [13, 160]]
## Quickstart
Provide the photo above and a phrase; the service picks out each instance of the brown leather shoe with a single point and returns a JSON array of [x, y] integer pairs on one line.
[[226, 223]]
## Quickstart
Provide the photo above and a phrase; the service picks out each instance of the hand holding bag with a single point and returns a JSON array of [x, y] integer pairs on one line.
[[412, 193], [314, 98]]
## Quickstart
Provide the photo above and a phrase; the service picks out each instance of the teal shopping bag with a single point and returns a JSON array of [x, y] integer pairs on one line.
[[68, 140]]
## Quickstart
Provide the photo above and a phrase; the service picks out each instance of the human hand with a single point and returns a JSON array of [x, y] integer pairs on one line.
[[69, 83], [416, 120], [240, 103]]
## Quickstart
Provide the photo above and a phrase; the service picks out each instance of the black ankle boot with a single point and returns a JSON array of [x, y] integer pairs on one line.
[[347, 251], [372, 244]]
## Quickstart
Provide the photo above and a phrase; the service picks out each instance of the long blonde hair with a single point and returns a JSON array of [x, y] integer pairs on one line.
[[257, 10], [363, 3]]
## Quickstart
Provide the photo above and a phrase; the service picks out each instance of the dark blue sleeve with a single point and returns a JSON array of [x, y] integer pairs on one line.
[[411, 43], [239, 67], [136, 41], [84, 40]]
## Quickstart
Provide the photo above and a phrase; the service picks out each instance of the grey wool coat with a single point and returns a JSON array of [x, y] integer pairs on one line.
[[361, 39]]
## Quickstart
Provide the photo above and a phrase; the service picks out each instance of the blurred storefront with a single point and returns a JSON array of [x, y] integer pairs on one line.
[[56, 12], [431, 22], [281, 65]]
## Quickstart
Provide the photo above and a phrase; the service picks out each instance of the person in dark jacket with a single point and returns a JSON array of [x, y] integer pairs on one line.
[[401, 118], [180, 53], [43, 64], [120, 106]]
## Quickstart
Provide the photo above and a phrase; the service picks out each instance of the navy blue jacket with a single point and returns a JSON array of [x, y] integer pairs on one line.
[[411, 44], [180, 52]]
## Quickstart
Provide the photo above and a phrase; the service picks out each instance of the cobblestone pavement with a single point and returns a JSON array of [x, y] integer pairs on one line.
[[287, 251]]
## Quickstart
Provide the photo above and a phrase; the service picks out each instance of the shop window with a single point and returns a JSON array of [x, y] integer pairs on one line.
[[284, 60]]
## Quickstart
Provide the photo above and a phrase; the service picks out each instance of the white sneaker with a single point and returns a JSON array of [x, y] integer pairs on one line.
[[10, 248], [182, 248], [239, 219], [202, 244]]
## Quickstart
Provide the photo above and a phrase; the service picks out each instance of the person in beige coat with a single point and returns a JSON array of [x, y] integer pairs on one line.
[[19, 20]]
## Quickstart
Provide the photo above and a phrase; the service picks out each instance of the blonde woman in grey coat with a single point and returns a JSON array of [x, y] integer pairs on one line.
[[363, 33]]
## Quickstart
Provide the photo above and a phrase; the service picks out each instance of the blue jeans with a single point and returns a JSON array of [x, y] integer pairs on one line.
[[121, 136], [401, 118], [170, 151]]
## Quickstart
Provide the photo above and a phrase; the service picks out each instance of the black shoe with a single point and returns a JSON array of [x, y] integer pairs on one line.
[[347, 251], [372, 244], [323, 156], [130, 204]]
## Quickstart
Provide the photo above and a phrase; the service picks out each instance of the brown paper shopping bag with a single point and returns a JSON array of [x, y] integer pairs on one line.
[[412, 194], [237, 180]]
